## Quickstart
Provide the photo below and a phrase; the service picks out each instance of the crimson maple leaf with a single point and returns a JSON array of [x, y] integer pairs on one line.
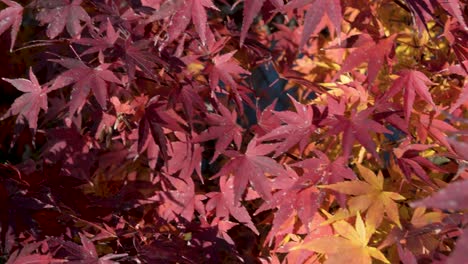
[[11, 17], [252, 166], [150, 130], [225, 204], [297, 129], [368, 50], [191, 10], [357, 127], [186, 157], [315, 13], [250, 11], [180, 201], [323, 170], [409, 160], [454, 8], [61, 14], [300, 197], [188, 97], [413, 82], [224, 69], [29, 104], [422, 11], [86, 79], [224, 128], [101, 43]]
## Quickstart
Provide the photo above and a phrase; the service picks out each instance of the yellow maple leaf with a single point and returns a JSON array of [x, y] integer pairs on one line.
[[368, 195], [350, 246]]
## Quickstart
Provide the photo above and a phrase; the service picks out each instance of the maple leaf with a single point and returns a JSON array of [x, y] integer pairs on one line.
[[413, 82], [186, 157], [182, 201], [356, 127], [225, 204], [224, 128], [11, 17], [454, 8], [61, 14], [462, 98], [150, 129], [86, 79], [422, 11], [250, 11], [188, 97], [437, 129], [190, 10], [29, 104], [224, 69], [370, 51], [452, 197], [315, 13], [369, 195], [266, 120], [300, 198], [71, 151], [317, 229], [325, 171], [297, 129], [139, 56], [351, 246], [409, 160], [26, 255], [82, 254], [101, 43], [419, 235], [252, 166], [328, 171]]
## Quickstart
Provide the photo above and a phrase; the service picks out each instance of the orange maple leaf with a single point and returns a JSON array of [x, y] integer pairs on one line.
[[350, 246], [369, 195]]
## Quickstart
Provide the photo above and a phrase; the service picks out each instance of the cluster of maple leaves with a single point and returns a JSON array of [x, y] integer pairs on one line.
[[254, 131]]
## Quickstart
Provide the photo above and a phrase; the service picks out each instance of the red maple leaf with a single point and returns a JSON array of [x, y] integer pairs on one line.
[[455, 9], [409, 161], [137, 56], [252, 166], [224, 128], [224, 69], [151, 129], [437, 129], [29, 104], [186, 157], [370, 51], [357, 127], [315, 13], [191, 10], [422, 11], [413, 82], [11, 17], [250, 11], [299, 197], [452, 197], [297, 129], [181, 200], [86, 79], [324, 171], [225, 204], [61, 14], [100, 43]]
